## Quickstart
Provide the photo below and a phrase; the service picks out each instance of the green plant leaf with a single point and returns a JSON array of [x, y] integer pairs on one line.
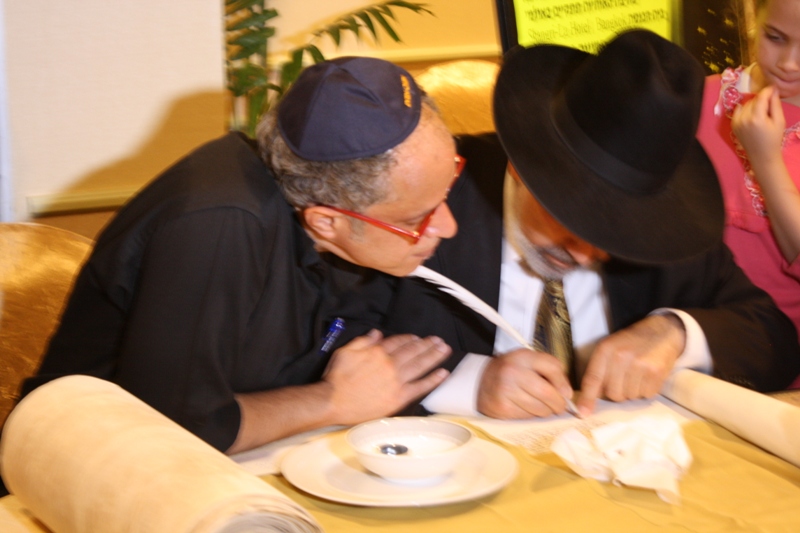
[[253, 37], [315, 53], [291, 69], [255, 108], [352, 24], [386, 10], [241, 80], [333, 31], [257, 20], [232, 6], [242, 52], [247, 38], [381, 12], [416, 8], [249, 43], [384, 23], [368, 23]]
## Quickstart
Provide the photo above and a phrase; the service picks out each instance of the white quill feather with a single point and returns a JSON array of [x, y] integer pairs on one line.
[[449, 286], [445, 284]]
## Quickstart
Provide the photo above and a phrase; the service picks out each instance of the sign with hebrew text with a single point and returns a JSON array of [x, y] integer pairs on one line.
[[588, 24]]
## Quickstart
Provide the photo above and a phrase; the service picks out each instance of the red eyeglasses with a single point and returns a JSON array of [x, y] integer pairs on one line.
[[416, 234]]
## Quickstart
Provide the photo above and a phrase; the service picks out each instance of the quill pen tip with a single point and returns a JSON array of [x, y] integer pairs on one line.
[[573, 409]]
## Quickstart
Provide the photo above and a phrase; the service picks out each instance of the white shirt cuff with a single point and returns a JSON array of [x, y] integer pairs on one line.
[[696, 354], [458, 394]]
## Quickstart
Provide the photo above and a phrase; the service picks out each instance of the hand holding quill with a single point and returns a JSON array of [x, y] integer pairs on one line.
[[445, 284]]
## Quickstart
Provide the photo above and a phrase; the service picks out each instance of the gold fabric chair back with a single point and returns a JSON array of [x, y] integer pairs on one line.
[[463, 92], [38, 265]]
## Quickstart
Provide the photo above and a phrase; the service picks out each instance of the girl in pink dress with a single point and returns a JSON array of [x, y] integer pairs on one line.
[[750, 128]]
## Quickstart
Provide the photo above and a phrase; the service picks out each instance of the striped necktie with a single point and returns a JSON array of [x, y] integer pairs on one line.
[[552, 333]]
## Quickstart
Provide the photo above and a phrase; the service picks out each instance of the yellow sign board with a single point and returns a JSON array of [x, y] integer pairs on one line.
[[587, 24]]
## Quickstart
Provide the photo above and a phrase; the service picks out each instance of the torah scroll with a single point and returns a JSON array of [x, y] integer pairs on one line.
[[84, 455], [766, 422]]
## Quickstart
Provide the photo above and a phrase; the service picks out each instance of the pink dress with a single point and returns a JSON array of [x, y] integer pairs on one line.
[[747, 228]]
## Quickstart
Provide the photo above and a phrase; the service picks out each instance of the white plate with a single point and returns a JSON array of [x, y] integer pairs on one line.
[[327, 468]]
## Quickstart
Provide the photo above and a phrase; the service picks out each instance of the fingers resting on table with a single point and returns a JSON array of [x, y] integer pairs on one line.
[[633, 362]]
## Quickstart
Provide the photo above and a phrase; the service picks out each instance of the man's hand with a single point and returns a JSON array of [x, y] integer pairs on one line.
[[633, 362], [367, 378], [523, 384], [372, 376]]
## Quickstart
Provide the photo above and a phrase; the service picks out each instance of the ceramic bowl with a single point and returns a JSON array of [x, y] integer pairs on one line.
[[432, 447]]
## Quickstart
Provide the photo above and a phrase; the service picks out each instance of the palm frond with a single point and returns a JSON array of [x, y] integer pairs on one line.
[[235, 6], [254, 20], [247, 37], [367, 17]]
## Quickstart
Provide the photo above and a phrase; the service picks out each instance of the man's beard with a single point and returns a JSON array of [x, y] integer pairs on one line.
[[537, 258], [534, 258]]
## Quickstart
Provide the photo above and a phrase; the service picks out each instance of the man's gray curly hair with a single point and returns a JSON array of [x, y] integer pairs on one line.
[[353, 184]]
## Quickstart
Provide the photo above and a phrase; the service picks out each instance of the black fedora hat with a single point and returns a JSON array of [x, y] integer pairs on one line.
[[606, 143]]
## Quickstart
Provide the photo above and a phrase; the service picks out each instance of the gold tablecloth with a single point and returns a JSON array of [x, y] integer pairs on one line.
[[732, 486]]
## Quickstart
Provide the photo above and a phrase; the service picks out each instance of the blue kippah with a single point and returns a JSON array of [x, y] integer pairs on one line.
[[349, 108]]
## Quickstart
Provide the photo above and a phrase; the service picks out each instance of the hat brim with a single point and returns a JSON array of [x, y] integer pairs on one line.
[[683, 219]]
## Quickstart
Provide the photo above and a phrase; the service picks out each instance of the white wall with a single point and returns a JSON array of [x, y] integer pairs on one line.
[[103, 95], [6, 189]]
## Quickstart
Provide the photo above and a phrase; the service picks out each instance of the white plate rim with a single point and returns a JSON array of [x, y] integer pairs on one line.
[[306, 465]]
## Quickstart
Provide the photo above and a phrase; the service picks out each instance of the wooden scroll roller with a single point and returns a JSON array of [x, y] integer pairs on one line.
[[766, 422]]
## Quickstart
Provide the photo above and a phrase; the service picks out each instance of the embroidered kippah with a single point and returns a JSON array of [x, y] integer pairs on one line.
[[349, 108]]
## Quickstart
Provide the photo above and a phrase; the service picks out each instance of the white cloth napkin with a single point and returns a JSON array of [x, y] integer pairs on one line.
[[83, 455], [646, 452]]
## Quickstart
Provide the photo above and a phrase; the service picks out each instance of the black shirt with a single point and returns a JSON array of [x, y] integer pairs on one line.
[[206, 285]]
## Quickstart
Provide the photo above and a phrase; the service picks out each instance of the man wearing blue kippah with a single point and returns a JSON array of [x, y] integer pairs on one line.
[[236, 292]]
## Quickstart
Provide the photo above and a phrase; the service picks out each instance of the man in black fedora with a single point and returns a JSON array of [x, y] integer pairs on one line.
[[239, 291], [593, 213]]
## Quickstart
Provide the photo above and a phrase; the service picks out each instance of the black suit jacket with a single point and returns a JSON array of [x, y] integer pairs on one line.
[[752, 343]]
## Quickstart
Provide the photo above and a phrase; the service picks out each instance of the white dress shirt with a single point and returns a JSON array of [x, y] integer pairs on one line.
[[586, 299]]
